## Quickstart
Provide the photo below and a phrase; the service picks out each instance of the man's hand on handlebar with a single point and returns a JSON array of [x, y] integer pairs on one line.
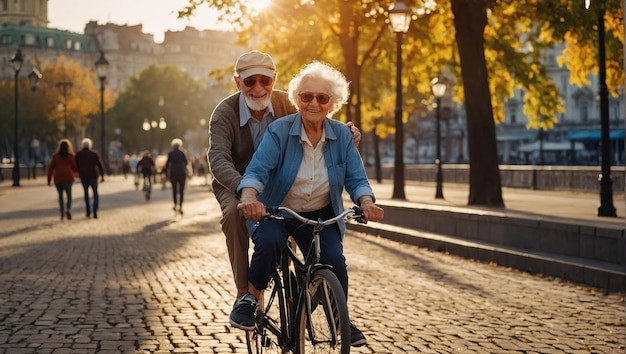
[[249, 206]]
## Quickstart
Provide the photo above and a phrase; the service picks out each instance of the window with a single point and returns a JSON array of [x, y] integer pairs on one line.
[[6, 39], [30, 39], [50, 42], [76, 45], [584, 111], [614, 111], [68, 44], [5, 5]]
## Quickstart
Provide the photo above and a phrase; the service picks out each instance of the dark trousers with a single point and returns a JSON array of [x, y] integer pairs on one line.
[[67, 188], [269, 242], [178, 188], [93, 183]]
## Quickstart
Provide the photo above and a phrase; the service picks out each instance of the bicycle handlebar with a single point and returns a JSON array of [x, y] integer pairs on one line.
[[354, 213]]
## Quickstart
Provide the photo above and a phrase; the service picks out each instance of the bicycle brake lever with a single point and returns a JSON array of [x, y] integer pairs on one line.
[[358, 215]]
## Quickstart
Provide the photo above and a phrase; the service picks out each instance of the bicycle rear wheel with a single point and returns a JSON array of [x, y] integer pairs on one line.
[[328, 327], [267, 337]]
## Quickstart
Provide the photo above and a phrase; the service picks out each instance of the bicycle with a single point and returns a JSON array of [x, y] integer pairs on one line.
[[306, 309]]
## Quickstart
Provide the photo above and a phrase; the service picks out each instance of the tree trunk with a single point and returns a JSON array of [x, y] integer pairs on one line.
[[470, 19]]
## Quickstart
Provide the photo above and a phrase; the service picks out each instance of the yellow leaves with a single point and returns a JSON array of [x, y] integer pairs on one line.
[[542, 103], [579, 59], [71, 91], [615, 25]]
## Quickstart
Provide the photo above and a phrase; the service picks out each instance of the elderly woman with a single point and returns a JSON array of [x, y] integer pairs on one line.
[[62, 170], [303, 162]]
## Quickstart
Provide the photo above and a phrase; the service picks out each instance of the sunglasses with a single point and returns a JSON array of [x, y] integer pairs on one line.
[[251, 81], [307, 97]]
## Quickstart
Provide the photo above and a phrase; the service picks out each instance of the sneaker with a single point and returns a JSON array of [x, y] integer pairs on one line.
[[68, 215], [357, 338], [242, 315]]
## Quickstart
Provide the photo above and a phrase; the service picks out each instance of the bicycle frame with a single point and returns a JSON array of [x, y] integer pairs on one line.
[[292, 297]]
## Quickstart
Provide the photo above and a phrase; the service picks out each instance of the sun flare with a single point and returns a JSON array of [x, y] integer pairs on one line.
[[258, 5]]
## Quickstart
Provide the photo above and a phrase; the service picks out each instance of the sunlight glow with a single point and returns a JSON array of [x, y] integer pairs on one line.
[[258, 5]]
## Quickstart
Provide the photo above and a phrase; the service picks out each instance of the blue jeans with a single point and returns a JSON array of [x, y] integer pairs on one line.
[[67, 188], [269, 243], [93, 183]]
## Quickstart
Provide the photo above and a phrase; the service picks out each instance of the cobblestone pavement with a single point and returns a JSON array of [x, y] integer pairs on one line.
[[137, 280]]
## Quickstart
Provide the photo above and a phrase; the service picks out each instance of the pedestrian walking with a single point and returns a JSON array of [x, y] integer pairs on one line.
[[176, 171], [134, 160], [62, 170], [90, 167], [126, 165]]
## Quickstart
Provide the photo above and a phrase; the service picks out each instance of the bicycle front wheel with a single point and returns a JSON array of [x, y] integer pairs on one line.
[[267, 337], [324, 326]]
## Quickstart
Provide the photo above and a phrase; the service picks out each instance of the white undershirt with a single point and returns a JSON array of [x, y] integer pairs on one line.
[[311, 190]]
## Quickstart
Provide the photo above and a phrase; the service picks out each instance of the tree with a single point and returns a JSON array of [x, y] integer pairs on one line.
[[155, 92], [470, 19], [504, 49], [43, 112]]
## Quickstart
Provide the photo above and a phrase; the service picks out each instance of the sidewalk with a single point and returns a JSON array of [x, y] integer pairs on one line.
[[565, 206], [571, 207], [554, 233]]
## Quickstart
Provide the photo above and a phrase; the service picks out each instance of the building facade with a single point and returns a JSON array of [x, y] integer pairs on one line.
[[23, 24], [575, 139]]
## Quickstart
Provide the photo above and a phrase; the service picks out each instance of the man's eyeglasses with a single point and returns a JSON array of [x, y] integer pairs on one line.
[[307, 97], [251, 81]]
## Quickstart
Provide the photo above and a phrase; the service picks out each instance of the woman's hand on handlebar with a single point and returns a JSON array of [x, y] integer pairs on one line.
[[371, 211], [249, 206]]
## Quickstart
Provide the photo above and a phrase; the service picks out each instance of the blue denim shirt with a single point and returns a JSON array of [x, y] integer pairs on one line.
[[275, 164]]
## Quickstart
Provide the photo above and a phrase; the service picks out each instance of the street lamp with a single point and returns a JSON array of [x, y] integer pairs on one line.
[[606, 191], [33, 77], [400, 19], [64, 87], [150, 126], [102, 68], [17, 62], [439, 90]]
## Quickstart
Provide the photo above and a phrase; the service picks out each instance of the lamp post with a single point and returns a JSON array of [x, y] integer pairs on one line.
[[33, 77], [146, 127], [64, 87], [400, 19], [151, 126], [102, 68], [162, 126], [17, 62], [439, 90], [606, 190]]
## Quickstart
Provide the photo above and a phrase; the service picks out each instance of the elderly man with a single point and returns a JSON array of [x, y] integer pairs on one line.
[[90, 166]]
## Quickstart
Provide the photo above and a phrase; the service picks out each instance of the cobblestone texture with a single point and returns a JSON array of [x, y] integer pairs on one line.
[[139, 280]]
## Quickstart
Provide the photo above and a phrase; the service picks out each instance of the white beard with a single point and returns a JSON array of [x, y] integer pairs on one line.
[[258, 105]]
